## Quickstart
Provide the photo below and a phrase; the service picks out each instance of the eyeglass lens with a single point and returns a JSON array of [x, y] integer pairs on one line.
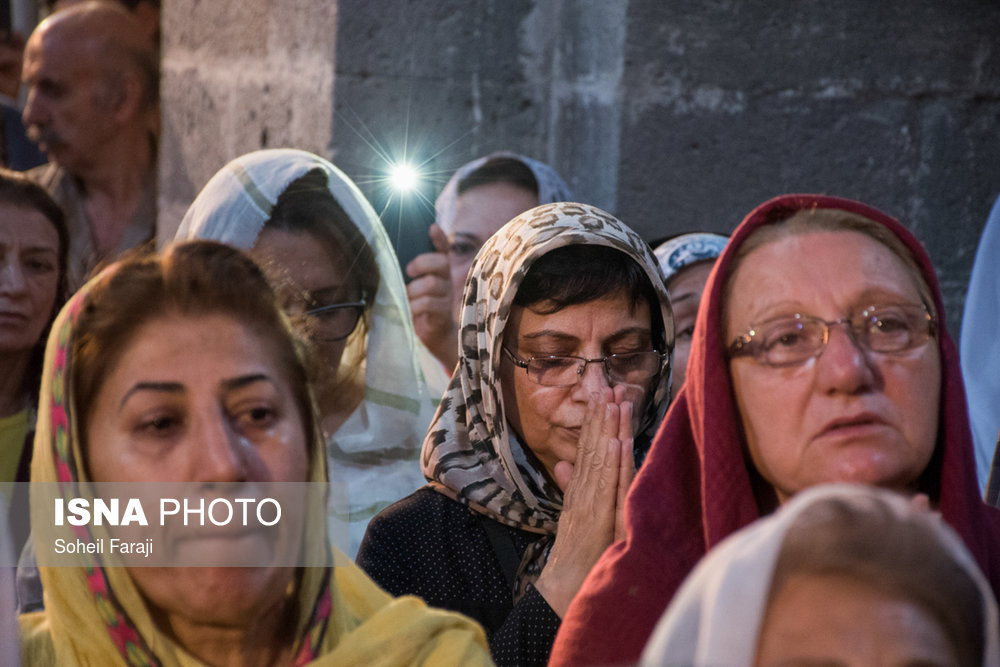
[[633, 368], [333, 323], [795, 339]]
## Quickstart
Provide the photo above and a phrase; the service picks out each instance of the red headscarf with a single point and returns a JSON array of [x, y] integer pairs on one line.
[[695, 488]]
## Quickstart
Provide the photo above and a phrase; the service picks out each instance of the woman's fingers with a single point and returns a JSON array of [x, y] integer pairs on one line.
[[563, 472], [593, 487], [625, 421], [438, 238], [626, 472]]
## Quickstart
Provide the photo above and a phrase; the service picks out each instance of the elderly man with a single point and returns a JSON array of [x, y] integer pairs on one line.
[[93, 108]]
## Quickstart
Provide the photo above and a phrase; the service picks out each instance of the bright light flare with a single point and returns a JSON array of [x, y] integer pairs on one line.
[[403, 177]]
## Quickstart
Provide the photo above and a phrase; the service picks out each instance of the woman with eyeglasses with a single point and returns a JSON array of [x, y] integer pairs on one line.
[[311, 228], [564, 374], [822, 357]]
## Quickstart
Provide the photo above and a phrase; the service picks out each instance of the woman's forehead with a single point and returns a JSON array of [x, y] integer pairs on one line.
[[825, 267]]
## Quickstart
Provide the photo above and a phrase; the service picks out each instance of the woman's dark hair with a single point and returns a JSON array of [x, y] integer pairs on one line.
[[501, 170], [19, 191], [576, 274], [191, 279]]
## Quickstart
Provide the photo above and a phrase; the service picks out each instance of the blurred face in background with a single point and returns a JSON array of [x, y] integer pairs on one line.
[[685, 289], [315, 278], [479, 213], [835, 620], [29, 276]]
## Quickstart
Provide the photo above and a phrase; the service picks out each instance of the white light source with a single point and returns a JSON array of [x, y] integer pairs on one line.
[[403, 177]]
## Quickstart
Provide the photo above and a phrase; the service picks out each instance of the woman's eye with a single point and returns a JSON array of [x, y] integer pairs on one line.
[[160, 426], [891, 324], [39, 266], [462, 249], [784, 337], [686, 332], [256, 417], [787, 340], [548, 363]]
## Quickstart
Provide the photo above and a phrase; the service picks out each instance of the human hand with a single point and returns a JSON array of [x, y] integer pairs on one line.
[[431, 300], [594, 497]]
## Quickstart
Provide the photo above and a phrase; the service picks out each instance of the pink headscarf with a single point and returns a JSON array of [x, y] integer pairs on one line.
[[695, 488]]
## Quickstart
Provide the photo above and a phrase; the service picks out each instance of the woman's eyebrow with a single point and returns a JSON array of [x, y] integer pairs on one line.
[[168, 387], [244, 380], [684, 296], [550, 333], [327, 291], [39, 249], [625, 333], [569, 338]]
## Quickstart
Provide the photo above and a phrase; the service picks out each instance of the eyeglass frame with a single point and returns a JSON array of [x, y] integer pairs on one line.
[[361, 305], [742, 344], [582, 369]]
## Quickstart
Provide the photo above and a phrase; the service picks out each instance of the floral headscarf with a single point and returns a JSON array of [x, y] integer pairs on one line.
[[470, 452], [551, 187], [717, 615], [374, 453], [95, 616], [696, 488]]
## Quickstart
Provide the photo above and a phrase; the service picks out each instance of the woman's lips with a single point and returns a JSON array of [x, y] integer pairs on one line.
[[10, 317], [861, 424]]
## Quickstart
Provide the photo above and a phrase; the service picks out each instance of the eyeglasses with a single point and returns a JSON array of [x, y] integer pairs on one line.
[[556, 371], [793, 339], [336, 321]]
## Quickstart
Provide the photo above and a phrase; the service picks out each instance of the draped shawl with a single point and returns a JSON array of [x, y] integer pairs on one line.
[[470, 452], [373, 455], [717, 615], [95, 615], [695, 488]]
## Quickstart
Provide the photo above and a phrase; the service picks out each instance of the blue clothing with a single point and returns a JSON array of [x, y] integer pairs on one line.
[[980, 347]]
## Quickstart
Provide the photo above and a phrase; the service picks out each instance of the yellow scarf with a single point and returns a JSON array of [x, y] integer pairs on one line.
[[343, 619]]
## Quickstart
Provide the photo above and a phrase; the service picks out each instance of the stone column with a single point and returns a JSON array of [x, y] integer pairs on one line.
[[239, 76]]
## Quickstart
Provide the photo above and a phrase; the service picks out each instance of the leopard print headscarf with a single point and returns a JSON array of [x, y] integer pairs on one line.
[[470, 452]]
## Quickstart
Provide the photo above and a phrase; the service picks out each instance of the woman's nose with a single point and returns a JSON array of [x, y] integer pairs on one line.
[[846, 366], [594, 376], [12, 280], [221, 451]]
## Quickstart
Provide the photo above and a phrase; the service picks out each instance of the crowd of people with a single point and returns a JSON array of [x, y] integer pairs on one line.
[[558, 443]]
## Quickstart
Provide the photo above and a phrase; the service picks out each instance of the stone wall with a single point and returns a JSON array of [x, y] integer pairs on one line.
[[236, 77], [684, 115], [674, 115]]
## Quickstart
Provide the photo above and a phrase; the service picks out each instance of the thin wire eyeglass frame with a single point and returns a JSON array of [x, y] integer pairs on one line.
[[663, 357], [359, 305], [858, 327]]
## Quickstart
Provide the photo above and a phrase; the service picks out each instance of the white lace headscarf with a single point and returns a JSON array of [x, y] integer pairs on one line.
[[374, 453], [717, 614]]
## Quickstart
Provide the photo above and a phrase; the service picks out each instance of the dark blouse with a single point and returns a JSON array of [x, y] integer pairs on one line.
[[436, 548]]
